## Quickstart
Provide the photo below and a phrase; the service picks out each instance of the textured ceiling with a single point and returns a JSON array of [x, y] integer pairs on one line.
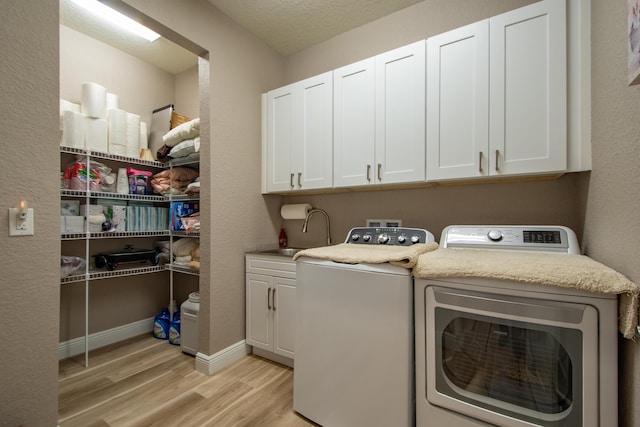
[[289, 26]]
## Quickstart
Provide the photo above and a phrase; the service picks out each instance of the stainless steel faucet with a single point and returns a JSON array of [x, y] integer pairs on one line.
[[326, 217]]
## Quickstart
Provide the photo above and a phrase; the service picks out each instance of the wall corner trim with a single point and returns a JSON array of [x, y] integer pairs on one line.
[[211, 364]]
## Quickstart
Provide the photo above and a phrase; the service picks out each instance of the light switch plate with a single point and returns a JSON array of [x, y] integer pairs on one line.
[[27, 230]]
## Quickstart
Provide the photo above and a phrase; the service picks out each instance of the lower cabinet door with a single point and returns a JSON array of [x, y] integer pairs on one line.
[[284, 300], [259, 319]]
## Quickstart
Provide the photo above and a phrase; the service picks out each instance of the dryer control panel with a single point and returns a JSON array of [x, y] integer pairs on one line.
[[553, 238], [392, 236]]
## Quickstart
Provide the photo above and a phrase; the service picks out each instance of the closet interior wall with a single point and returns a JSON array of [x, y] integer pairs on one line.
[[141, 88]]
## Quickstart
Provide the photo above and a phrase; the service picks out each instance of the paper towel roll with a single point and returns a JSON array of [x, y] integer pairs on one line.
[[94, 100], [133, 135], [112, 101], [117, 131], [96, 134], [144, 139], [72, 126], [295, 211]]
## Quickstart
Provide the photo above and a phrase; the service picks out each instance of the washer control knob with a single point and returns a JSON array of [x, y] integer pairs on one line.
[[415, 239], [402, 238], [383, 238], [355, 237], [366, 237], [495, 235]]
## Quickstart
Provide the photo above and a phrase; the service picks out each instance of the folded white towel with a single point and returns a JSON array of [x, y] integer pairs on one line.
[[349, 253], [187, 130]]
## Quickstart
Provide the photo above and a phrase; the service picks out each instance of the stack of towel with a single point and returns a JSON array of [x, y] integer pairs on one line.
[[174, 181], [186, 252], [181, 141]]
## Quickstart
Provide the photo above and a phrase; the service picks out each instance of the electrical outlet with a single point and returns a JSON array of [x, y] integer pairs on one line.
[[386, 223], [17, 228]]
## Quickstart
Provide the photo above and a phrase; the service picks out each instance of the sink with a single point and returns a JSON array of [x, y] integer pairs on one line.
[[284, 251], [289, 251]]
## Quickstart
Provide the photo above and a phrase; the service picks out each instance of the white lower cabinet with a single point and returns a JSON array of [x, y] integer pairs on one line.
[[270, 306]]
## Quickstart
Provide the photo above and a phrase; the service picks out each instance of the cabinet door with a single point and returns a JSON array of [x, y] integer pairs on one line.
[[314, 121], [284, 316], [354, 124], [259, 323], [400, 115], [528, 98], [458, 103], [280, 139]]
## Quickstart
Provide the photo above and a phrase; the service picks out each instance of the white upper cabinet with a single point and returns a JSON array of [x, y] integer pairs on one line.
[[400, 115], [281, 160], [379, 122], [528, 96], [458, 102], [497, 96], [354, 123], [299, 145]]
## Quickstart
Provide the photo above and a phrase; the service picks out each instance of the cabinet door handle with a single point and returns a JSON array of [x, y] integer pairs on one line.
[[299, 179], [369, 173], [480, 162], [273, 299], [269, 299], [379, 171], [291, 181], [497, 159]]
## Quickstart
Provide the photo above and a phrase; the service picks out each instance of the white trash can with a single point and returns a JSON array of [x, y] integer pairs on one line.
[[189, 324]]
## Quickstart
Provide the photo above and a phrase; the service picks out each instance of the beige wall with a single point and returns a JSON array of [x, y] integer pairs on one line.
[[414, 23], [238, 219], [186, 98], [612, 222], [140, 86], [30, 265]]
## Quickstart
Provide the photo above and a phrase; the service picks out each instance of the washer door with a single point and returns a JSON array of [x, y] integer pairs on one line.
[[511, 361]]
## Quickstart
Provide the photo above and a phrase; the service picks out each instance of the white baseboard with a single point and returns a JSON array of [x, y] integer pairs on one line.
[[100, 339], [209, 365], [272, 356]]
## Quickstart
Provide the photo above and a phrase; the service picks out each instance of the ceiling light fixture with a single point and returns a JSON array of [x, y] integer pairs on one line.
[[118, 19]]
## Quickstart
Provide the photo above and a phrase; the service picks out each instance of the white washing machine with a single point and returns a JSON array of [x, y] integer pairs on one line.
[[496, 352], [354, 337]]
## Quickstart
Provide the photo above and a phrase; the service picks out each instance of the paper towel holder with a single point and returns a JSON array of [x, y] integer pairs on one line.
[[295, 211]]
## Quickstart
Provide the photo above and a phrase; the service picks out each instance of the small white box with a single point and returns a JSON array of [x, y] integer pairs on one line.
[[74, 224]]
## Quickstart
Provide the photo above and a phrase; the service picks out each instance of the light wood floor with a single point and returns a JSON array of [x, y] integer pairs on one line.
[[148, 382]]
